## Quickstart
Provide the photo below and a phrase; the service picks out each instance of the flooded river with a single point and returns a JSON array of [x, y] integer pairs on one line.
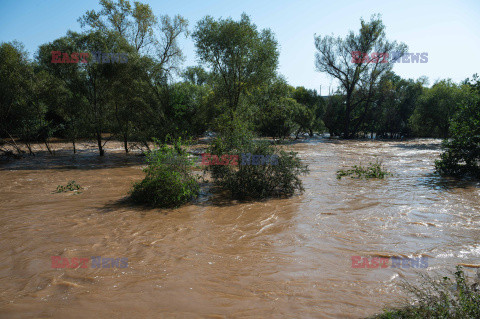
[[282, 258]]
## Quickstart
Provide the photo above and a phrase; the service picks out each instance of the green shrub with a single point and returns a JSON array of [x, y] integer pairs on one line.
[[254, 181], [168, 181], [373, 170], [440, 298]]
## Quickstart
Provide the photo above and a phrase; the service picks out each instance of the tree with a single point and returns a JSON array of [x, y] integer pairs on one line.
[[138, 92], [334, 114], [150, 35], [308, 118], [357, 80], [393, 105], [195, 75], [22, 115], [239, 56], [435, 109], [461, 154], [64, 92], [136, 24], [90, 85]]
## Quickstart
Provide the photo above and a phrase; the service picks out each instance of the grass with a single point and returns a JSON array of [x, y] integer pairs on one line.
[[373, 170], [440, 298]]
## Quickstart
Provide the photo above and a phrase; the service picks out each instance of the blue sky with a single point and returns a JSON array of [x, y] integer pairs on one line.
[[448, 30]]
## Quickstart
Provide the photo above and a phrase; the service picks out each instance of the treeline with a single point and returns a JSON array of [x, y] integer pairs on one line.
[[399, 108], [150, 96]]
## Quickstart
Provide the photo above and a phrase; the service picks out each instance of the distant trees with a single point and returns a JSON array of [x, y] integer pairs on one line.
[[21, 113], [236, 83], [435, 109], [393, 105], [308, 116], [334, 114], [138, 87], [357, 81]]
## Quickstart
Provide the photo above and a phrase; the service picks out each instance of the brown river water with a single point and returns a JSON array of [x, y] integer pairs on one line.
[[281, 258]]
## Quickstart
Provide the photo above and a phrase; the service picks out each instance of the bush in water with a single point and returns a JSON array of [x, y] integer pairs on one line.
[[168, 181]]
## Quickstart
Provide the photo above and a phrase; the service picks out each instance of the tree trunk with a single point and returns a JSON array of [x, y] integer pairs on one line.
[[29, 147], [74, 148], [48, 146], [346, 132], [99, 141], [125, 142]]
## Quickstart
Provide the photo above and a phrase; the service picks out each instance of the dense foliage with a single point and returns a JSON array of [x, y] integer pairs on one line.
[[169, 181], [461, 154], [249, 180]]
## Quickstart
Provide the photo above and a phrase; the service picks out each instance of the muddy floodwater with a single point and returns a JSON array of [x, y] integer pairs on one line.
[[282, 258]]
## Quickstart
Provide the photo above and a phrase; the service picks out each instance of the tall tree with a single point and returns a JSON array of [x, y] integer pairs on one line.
[[357, 80], [22, 115], [239, 56], [158, 56], [154, 36]]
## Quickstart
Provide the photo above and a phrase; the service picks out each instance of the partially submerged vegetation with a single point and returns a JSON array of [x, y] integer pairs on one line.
[[255, 181], [169, 181], [70, 187], [440, 298], [372, 170]]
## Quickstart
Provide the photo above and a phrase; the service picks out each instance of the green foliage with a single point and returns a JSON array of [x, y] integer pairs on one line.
[[277, 113], [440, 298], [188, 111], [70, 187], [240, 57], [372, 170], [461, 154], [334, 114], [255, 181], [435, 109], [308, 117], [168, 181], [196, 75], [394, 104]]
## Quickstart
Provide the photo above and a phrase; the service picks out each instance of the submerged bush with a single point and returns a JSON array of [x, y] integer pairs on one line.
[[71, 187], [267, 179], [440, 298], [373, 170], [168, 181]]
